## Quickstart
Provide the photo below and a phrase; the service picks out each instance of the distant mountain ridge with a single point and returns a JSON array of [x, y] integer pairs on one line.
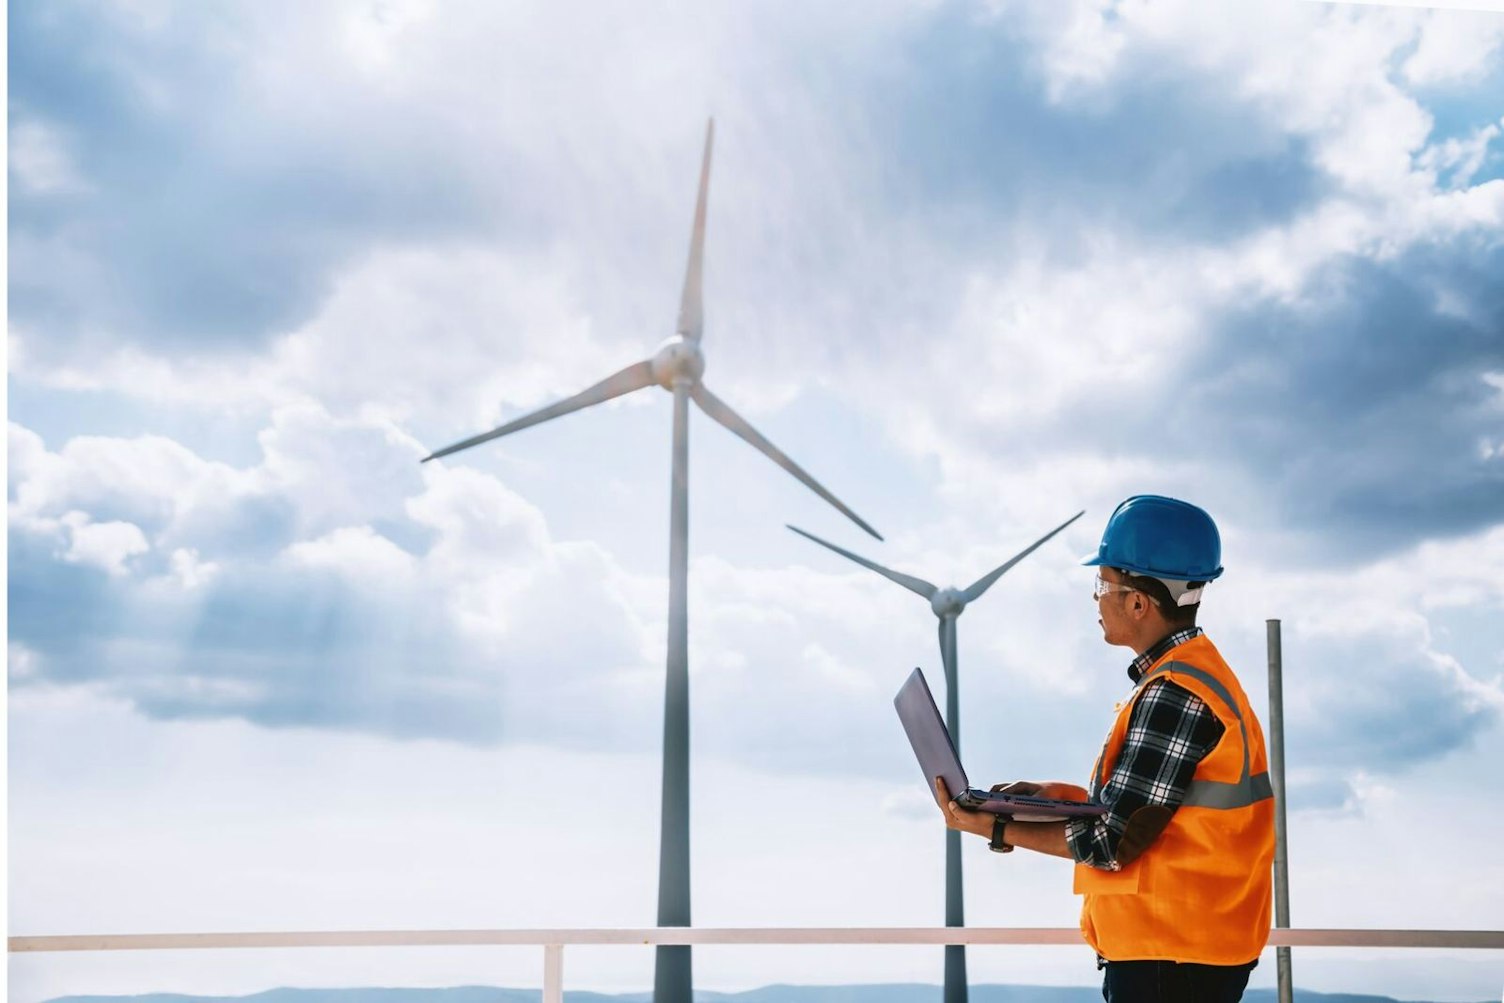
[[889, 993]]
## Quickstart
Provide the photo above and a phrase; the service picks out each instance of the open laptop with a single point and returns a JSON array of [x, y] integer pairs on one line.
[[937, 758]]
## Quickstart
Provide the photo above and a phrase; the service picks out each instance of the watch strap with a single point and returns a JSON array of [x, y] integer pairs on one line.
[[998, 844]]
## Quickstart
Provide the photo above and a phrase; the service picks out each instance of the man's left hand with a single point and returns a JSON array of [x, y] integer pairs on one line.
[[956, 817]]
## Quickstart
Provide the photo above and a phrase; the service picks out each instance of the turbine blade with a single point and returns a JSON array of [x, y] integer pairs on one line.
[[691, 308], [634, 377], [909, 582], [717, 409], [985, 582]]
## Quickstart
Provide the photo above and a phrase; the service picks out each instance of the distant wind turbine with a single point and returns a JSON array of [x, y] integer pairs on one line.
[[677, 366], [948, 604]]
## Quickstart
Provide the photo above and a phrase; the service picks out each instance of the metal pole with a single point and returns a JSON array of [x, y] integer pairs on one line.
[[672, 978], [955, 954], [1281, 835], [553, 973]]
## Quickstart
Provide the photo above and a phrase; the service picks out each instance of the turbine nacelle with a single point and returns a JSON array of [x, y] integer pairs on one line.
[[678, 360], [947, 602]]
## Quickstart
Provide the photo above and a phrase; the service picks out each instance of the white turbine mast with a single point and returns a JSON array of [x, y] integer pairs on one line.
[[677, 366]]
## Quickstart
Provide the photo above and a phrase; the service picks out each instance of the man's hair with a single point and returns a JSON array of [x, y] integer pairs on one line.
[[1178, 617]]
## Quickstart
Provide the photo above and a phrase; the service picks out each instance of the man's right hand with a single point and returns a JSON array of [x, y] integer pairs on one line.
[[1056, 789], [959, 818]]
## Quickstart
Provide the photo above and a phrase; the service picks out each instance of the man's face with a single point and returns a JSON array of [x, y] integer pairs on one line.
[[1111, 609]]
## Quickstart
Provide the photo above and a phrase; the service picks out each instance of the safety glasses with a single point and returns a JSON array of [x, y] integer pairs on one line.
[[1102, 588]]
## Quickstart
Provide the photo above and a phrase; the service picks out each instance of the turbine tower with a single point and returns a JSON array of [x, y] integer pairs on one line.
[[677, 367], [948, 604]]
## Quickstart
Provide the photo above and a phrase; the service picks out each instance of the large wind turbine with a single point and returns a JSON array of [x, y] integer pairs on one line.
[[677, 366], [948, 604]]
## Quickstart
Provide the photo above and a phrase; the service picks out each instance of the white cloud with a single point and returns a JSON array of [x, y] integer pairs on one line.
[[337, 471], [1061, 335], [235, 384], [491, 546], [1450, 5], [1084, 50], [374, 36], [1370, 676], [1321, 71], [357, 552], [1455, 47], [104, 545], [22, 663], [189, 570], [451, 338], [151, 478], [1495, 380], [26, 453], [481, 589], [833, 669], [41, 162]]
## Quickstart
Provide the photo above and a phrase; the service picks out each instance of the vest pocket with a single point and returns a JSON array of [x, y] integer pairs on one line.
[[1091, 881]]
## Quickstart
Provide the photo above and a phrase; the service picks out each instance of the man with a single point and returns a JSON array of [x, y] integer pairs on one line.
[[1176, 875]]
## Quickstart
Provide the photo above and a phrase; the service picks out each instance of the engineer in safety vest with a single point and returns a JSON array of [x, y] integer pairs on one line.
[[1175, 878]]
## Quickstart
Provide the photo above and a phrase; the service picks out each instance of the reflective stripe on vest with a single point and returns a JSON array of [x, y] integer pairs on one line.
[[1214, 793]]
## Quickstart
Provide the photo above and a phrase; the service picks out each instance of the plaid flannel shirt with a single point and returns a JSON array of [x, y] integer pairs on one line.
[[1170, 732]]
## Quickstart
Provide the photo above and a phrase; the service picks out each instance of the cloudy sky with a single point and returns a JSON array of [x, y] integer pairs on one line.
[[976, 266]]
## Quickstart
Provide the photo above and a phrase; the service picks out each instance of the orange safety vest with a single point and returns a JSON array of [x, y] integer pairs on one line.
[[1201, 891]]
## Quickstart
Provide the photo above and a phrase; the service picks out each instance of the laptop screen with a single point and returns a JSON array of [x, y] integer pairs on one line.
[[927, 734]]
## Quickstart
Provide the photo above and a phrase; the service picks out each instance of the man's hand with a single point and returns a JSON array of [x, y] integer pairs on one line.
[[1056, 789], [1045, 837], [956, 817]]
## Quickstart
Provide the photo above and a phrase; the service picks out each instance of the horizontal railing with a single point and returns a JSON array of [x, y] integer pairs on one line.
[[677, 936], [553, 942]]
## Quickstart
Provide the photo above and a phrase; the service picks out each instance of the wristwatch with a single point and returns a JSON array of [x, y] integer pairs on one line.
[[998, 844]]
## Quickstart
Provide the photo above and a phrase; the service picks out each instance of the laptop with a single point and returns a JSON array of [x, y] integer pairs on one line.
[[937, 758]]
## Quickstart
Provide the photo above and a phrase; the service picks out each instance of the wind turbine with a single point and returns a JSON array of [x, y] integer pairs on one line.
[[676, 366], [948, 604]]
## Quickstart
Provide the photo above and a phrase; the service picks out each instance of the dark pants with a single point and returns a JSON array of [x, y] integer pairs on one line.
[[1172, 982]]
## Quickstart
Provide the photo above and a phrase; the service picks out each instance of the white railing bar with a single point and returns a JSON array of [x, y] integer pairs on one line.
[[1062, 935]]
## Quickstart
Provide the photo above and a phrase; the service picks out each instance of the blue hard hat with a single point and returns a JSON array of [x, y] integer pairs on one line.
[[1161, 538]]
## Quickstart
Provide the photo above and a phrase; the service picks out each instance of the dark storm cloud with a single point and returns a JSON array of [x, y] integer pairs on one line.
[[1168, 151], [1369, 703], [277, 646], [64, 609], [1360, 412], [1358, 409], [1371, 400], [281, 643], [211, 216], [1326, 795], [310, 648]]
